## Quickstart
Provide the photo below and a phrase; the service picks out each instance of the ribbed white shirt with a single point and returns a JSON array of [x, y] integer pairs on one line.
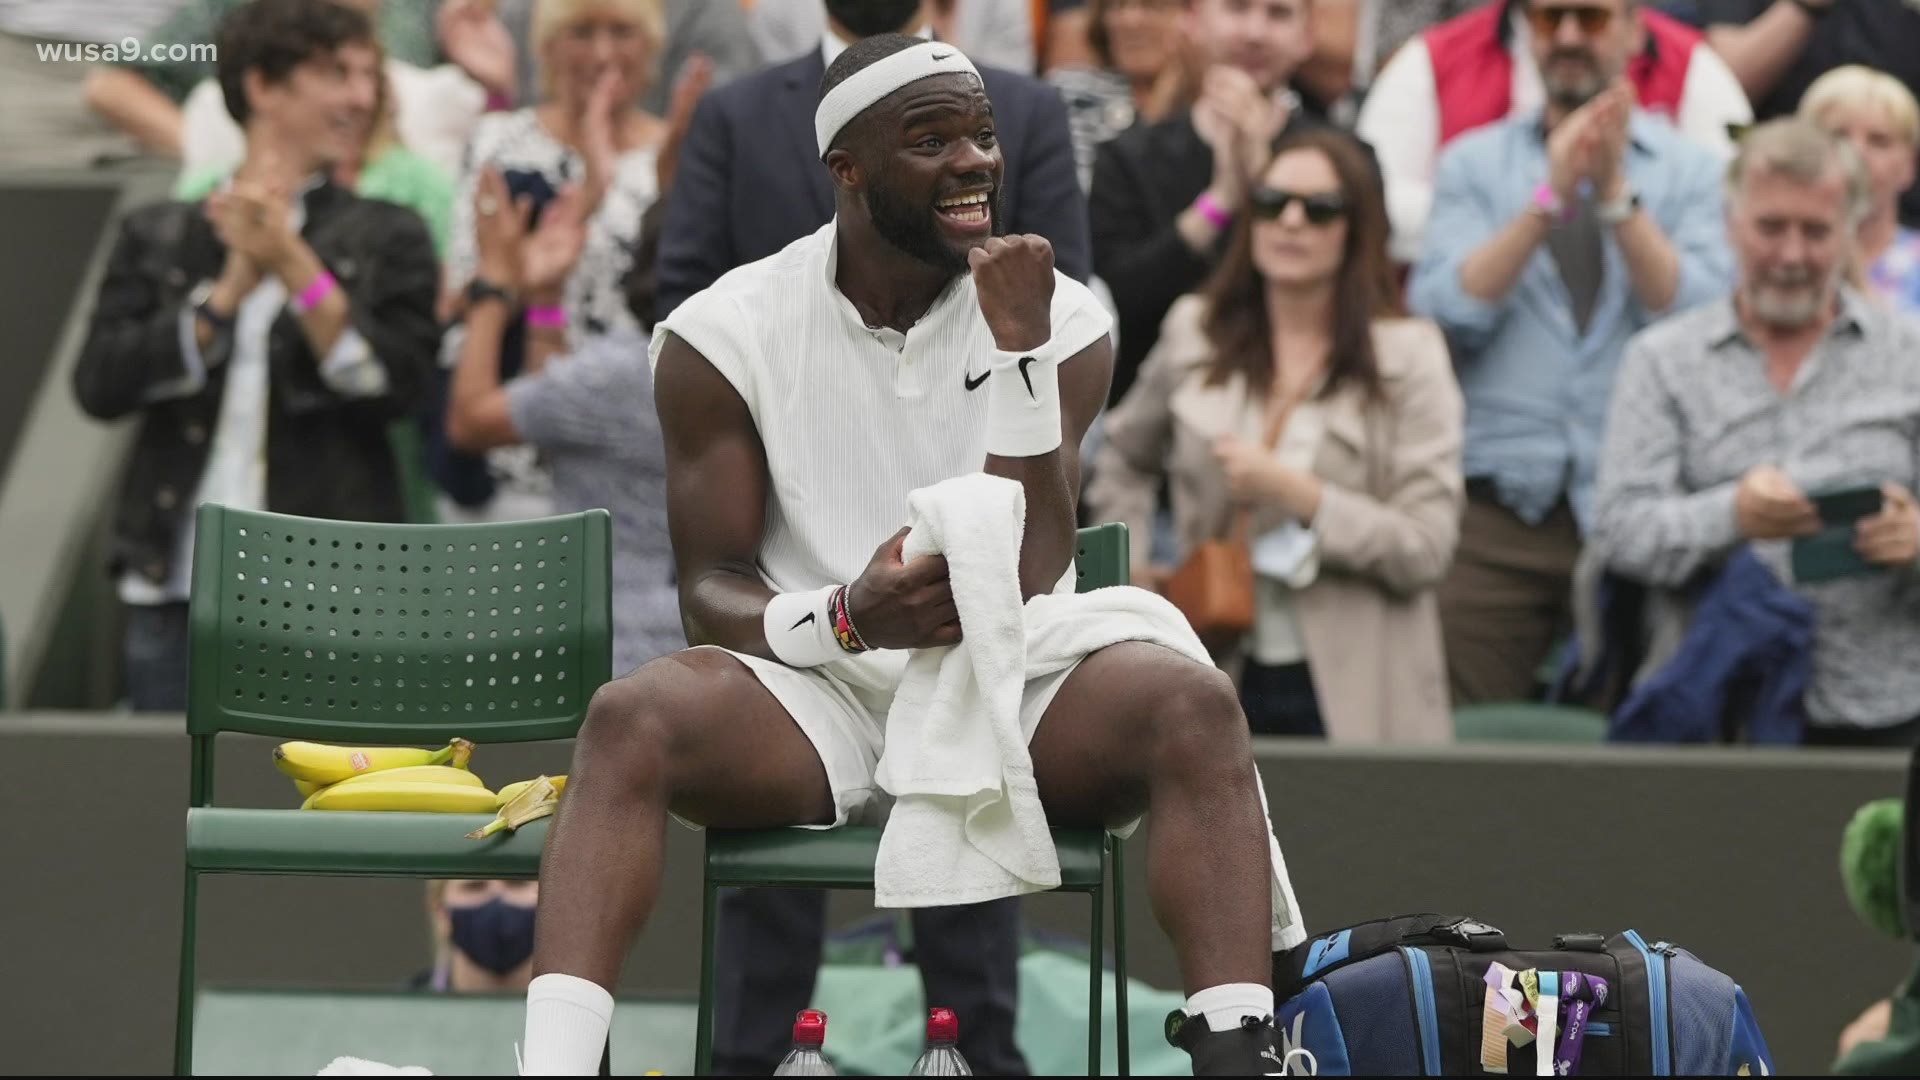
[[852, 417]]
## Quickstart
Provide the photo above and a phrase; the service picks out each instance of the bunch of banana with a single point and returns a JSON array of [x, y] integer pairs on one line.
[[521, 802], [385, 778]]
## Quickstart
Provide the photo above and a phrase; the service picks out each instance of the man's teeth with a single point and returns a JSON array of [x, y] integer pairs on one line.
[[962, 200]]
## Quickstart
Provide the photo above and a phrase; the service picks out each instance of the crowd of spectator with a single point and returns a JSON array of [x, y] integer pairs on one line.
[[1448, 310]]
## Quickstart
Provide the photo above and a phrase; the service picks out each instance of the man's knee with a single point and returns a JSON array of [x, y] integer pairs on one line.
[[634, 718], [1197, 716]]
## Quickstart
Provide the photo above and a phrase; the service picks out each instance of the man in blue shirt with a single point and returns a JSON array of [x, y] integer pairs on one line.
[[1555, 236]]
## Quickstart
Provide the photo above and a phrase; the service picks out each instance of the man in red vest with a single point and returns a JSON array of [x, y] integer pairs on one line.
[[1479, 67]]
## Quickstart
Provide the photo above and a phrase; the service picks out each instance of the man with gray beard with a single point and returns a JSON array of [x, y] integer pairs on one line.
[[1727, 417], [1555, 236]]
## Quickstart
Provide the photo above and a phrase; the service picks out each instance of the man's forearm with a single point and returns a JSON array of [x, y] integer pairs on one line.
[[1761, 51], [1046, 547], [136, 107], [726, 606], [1490, 273], [326, 320], [1653, 266]]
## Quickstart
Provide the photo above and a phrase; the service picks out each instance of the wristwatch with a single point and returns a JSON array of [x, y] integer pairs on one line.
[[481, 289], [1619, 209], [200, 300]]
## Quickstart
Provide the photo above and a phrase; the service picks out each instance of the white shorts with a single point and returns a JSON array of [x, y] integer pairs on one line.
[[847, 726]]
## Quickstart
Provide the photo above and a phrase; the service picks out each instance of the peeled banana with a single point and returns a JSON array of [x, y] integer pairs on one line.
[[319, 763], [535, 799], [378, 794], [513, 790]]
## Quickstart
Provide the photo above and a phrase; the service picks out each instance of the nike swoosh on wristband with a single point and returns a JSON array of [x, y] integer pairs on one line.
[[940, 56], [1028, 379], [973, 383], [802, 621]]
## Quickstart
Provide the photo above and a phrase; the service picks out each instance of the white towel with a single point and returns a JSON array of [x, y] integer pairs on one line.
[[353, 1066], [967, 825]]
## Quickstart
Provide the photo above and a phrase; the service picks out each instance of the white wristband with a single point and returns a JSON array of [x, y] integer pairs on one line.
[[799, 629], [1023, 403]]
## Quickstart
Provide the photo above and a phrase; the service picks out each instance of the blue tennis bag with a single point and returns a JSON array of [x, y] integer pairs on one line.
[[1407, 996]]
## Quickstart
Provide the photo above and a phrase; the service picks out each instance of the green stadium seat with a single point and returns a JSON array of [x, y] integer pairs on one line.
[[378, 634], [1526, 721]]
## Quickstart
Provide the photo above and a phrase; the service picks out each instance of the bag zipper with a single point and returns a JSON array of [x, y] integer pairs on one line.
[[1422, 973], [1656, 958]]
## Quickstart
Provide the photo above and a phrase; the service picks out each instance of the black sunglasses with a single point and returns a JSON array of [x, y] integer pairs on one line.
[[1324, 208]]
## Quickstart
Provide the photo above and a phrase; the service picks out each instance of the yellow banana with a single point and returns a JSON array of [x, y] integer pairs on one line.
[[306, 787], [513, 790], [536, 799], [375, 794], [319, 763], [419, 774]]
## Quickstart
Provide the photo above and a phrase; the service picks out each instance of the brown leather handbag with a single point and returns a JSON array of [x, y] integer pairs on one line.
[[1213, 587]]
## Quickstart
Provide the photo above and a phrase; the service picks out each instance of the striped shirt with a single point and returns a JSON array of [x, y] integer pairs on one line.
[[1694, 410], [852, 417]]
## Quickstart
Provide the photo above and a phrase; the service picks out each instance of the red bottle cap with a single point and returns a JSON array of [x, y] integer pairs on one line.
[[810, 1028], [942, 1026]]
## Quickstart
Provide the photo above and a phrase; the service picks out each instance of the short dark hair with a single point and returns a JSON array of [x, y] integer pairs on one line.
[[275, 36]]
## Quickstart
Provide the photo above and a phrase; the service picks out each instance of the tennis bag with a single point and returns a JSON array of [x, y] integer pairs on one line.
[[1408, 996]]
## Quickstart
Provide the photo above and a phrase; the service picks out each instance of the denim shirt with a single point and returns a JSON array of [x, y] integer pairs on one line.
[[1536, 387]]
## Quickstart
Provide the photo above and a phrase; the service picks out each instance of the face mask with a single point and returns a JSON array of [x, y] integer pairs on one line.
[[496, 935]]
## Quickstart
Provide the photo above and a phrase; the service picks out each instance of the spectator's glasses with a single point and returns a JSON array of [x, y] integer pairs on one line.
[[1323, 209], [1546, 19]]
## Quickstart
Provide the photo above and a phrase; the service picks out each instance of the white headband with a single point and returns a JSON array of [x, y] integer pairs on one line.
[[880, 78]]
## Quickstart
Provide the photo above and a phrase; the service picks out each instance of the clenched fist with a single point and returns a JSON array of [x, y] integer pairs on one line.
[[1013, 276]]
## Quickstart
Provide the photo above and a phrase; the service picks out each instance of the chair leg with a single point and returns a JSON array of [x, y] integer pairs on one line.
[[1120, 958], [703, 1030], [183, 1005], [1096, 978]]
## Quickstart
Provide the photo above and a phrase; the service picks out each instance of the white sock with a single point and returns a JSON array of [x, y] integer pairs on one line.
[[1224, 1005], [567, 1020]]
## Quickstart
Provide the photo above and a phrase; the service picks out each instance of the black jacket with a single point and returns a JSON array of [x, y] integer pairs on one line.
[[1142, 180], [327, 454], [750, 180]]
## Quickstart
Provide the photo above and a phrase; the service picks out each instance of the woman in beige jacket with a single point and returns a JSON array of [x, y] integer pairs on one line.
[[1355, 510]]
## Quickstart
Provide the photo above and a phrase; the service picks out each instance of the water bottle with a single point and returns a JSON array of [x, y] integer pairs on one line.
[[942, 1056], [806, 1058]]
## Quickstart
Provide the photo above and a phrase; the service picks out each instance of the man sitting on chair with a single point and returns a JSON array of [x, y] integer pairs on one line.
[[801, 398]]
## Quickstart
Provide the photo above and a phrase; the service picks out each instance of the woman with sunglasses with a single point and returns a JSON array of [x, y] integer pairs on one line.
[[1294, 390]]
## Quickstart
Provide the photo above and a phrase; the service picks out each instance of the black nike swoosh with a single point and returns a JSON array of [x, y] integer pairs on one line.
[[941, 56], [973, 383], [1025, 378], [804, 620]]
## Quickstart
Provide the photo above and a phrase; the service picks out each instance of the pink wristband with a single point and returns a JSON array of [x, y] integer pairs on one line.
[[315, 292], [1210, 208], [550, 317]]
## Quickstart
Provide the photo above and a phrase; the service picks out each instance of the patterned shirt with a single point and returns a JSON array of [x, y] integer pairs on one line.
[[1694, 410], [1895, 277]]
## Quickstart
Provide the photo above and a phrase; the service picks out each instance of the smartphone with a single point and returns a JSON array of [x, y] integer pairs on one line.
[[1829, 554], [1848, 505], [534, 185]]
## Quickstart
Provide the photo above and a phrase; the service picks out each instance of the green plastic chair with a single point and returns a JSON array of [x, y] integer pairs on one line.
[[843, 858], [1527, 721], [382, 634]]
